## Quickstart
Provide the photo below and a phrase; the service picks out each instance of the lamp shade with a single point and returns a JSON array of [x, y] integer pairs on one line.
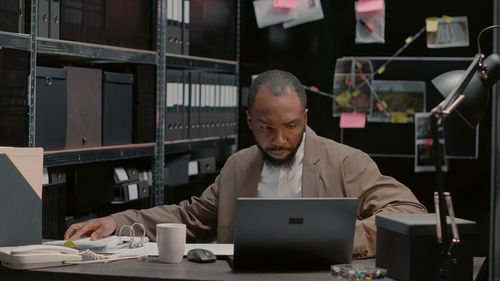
[[476, 92]]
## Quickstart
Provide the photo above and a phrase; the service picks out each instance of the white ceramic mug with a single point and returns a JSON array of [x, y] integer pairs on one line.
[[171, 240]]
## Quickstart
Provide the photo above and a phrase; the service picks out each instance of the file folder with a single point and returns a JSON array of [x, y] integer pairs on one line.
[[185, 27], [174, 26], [55, 16], [174, 104], [43, 18], [185, 108], [194, 112]]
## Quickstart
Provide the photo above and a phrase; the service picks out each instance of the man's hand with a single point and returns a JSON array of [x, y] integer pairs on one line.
[[96, 228]]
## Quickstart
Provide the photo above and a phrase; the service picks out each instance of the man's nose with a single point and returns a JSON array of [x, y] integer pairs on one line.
[[279, 138]]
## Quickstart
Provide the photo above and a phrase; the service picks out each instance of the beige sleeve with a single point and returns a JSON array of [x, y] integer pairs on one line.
[[199, 215], [376, 194]]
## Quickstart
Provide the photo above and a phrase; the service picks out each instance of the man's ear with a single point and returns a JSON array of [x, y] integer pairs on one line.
[[305, 114], [249, 119]]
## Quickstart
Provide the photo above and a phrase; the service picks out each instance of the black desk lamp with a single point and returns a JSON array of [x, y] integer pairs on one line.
[[467, 92]]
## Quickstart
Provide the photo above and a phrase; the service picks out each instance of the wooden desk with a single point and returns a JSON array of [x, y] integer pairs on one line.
[[153, 270]]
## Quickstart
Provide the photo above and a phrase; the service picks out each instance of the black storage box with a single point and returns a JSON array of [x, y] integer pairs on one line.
[[84, 107], [408, 249], [51, 108], [117, 108]]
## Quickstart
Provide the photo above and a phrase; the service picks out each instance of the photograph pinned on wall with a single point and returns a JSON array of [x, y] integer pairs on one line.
[[424, 145], [400, 98], [288, 12], [307, 11], [350, 88], [447, 32], [267, 14], [370, 21]]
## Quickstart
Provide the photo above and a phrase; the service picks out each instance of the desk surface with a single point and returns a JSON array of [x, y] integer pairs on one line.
[[152, 269]]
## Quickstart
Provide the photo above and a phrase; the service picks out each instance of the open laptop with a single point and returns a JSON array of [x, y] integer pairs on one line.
[[293, 233]]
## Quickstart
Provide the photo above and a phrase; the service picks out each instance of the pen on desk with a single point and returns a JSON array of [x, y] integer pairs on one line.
[[367, 25]]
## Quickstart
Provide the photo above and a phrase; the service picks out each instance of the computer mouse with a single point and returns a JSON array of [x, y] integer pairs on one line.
[[201, 255]]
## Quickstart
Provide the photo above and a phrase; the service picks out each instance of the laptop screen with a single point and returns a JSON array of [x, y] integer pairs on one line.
[[309, 232]]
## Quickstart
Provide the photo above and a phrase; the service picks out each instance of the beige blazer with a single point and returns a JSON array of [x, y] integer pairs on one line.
[[329, 169]]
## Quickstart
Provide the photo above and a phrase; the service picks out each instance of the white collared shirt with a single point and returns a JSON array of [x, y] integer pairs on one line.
[[280, 182]]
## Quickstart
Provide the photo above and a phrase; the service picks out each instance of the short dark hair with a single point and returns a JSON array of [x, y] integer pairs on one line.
[[279, 83]]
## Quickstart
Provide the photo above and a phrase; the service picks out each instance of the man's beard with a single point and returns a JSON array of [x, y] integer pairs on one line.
[[286, 162]]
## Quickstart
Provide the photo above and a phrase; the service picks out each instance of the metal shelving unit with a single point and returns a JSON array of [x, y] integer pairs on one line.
[[62, 50]]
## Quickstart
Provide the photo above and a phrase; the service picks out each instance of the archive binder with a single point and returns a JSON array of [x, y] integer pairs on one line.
[[174, 26], [55, 18], [194, 105], [185, 27], [49, 18], [186, 108], [43, 18], [174, 105]]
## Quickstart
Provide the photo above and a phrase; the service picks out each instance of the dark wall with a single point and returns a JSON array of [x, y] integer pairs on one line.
[[310, 51]]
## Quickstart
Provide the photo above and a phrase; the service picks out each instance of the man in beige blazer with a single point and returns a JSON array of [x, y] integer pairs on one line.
[[288, 160]]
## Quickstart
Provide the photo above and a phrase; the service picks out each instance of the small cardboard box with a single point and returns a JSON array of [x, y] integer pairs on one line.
[[407, 247]]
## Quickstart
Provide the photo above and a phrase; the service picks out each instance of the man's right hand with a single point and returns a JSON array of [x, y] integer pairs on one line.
[[95, 228]]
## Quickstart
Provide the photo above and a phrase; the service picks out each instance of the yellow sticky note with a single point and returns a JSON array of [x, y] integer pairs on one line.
[[446, 19], [356, 93], [359, 65], [343, 98], [347, 80], [70, 244], [381, 69], [410, 110], [431, 24], [399, 117], [384, 104], [409, 39]]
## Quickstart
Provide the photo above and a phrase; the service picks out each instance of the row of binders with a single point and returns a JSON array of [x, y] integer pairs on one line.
[[200, 104], [178, 26]]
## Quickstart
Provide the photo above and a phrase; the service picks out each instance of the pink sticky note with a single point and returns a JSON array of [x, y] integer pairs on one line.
[[380, 108], [285, 4], [314, 88], [352, 120], [428, 142], [370, 6]]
